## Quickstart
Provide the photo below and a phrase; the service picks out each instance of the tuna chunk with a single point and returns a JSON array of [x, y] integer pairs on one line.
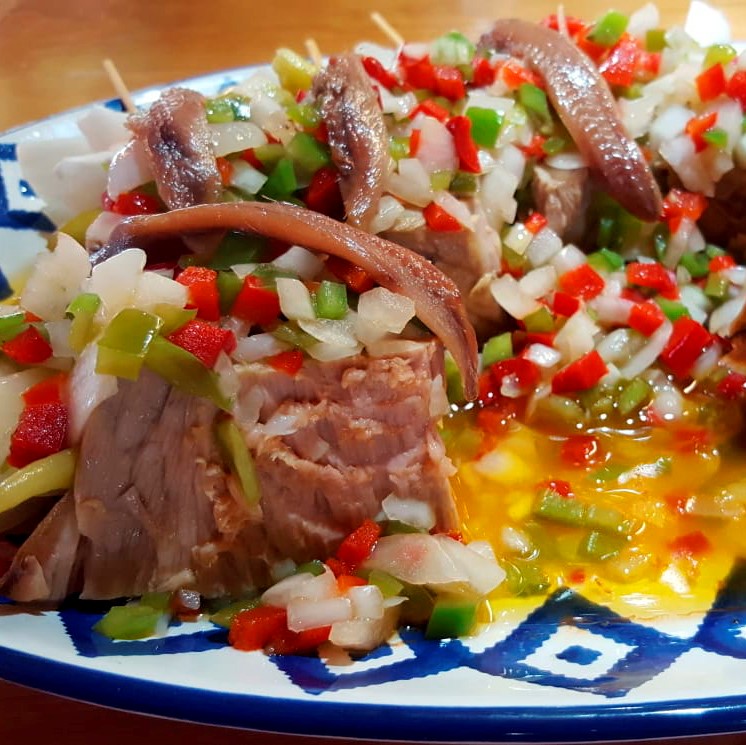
[[350, 433], [154, 509], [175, 135], [563, 198], [357, 135], [724, 220], [460, 256]]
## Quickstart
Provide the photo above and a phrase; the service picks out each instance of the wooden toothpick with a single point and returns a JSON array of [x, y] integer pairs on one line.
[[396, 38], [314, 52], [119, 86]]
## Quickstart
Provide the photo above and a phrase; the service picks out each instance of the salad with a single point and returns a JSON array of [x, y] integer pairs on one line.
[[398, 340]]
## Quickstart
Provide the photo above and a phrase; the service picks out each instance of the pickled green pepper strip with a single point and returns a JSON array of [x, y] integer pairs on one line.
[[308, 153], [82, 310], [497, 348], [129, 622], [45, 476], [485, 125], [330, 300], [451, 617], [609, 29], [241, 462], [12, 325]]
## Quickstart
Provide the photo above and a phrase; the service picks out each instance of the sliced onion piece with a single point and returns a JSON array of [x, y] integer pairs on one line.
[[304, 614], [130, 167], [367, 602], [295, 299], [87, 390], [649, 352], [235, 137], [303, 262], [246, 178], [508, 295], [413, 512], [303, 585], [257, 347]]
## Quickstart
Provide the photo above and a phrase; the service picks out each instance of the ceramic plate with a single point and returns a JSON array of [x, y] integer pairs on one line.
[[552, 669]]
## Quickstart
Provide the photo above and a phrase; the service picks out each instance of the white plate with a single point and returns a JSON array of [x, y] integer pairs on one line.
[[559, 669]]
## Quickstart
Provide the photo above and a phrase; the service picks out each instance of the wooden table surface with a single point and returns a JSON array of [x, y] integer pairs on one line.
[[50, 60]]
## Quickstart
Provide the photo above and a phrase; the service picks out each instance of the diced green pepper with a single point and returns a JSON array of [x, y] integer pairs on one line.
[[184, 371], [238, 248], [239, 457], [697, 264], [608, 519], [388, 584], [281, 182], [305, 114], [419, 605], [609, 29], [294, 336], [534, 100], [129, 622], [525, 578], [554, 145], [307, 153], [711, 251], [82, 310], [397, 527], [562, 410], [295, 72], [440, 180], [454, 382], [330, 300], [601, 546], [157, 600], [655, 40], [717, 286], [610, 472], [606, 260], [219, 110], [173, 317], [485, 125], [12, 325], [716, 137], [496, 349], [452, 617], [463, 184], [566, 510], [314, 567], [229, 285], [399, 147], [78, 226], [719, 54], [540, 321], [672, 309], [634, 394], [269, 155], [44, 476], [452, 49], [224, 617], [125, 343]]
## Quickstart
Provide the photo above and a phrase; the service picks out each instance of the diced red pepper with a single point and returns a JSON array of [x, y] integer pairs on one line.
[[500, 411], [736, 87], [582, 282], [697, 126], [576, 577], [225, 168], [646, 317], [256, 303], [41, 431], [711, 83], [653, 276], [580, 450], [289, 362], [379, 73], [30, 317], [693, 545], [346, 581], [429, 108], [648, 65], [357, 279], [558, 486], [580, 375], [466, 149], [28, 348], [680, 204], [252, 160], [136, 203], [323, 194], [595, 51], [572, 24], [732, 386], [564, 304], [414, 142], [514, 75], [535, 222], [523, 374], [253, 629], [419, 73], [541, 337], [338, 567], [620, 66], [484, 73], [721, 263], [357, 546], [204, 340], [438, 219], [688, 340], [321, 133], [297, 642], [202, 284], [535, 148], [692, 439], [449, 82], [50, 391]]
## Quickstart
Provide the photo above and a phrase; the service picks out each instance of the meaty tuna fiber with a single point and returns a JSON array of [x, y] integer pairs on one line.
[[154, 507]]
